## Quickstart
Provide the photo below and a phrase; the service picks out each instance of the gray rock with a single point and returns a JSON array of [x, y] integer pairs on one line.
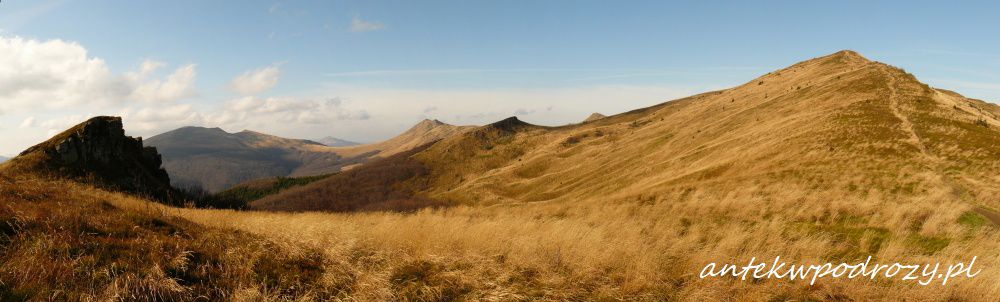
[[67, 151], [99, 151]]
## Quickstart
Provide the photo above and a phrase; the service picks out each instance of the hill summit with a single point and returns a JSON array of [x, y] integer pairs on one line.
[[828, 126], [594, 116], [98, 151]]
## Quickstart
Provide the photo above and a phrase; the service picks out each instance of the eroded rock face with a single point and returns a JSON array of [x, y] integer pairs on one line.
[[67, 150], [99, 150]]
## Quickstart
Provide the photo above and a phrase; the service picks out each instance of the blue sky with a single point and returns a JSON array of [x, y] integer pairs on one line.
[[366, 70]]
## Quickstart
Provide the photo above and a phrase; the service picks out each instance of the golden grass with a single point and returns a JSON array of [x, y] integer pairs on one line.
[[64, 241], [810, 163], [637, 250]]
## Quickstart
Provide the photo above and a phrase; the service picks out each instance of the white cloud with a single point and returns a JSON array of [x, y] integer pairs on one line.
[[359, 26], [168, 113], [48, 86], [273, 115], [178, 85], [256, 81], [52, 74], [56, 125], [522, 111], [253, 110], [28, 122], [157, 118], [58, 74], [147, 67], [366, 114]]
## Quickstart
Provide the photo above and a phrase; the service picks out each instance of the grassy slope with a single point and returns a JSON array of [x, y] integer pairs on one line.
[[381, 185], [824, 126], [827, 160], [65, 241]]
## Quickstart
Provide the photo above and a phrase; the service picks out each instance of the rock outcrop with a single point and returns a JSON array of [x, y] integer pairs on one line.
[[98, 151]]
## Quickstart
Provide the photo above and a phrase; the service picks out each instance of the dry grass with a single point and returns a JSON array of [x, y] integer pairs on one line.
[[63, 241], [382, 185], [815, 162], [646, 250]]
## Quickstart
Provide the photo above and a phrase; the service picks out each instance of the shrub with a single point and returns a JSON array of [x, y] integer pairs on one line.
[[982, 122]]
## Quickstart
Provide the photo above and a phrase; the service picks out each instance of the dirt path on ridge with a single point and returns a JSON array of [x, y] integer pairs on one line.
[[914, 139]]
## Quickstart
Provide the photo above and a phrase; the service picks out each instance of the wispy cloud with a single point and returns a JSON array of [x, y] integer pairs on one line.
[[411, 72], [987, 91], [950, 52], [627, 75], [12, 21], [972, 84], [359, 26], [276, 7], [614, 73], [256, 81]]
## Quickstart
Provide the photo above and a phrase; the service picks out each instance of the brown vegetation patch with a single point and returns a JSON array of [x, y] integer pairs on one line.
[[389, 184]]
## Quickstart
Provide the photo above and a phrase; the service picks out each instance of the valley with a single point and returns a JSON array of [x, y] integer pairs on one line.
[[214, 160]]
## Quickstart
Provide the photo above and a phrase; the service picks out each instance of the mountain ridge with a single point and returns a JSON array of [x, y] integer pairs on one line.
[[331, 141], [822, 125], [214, 160]]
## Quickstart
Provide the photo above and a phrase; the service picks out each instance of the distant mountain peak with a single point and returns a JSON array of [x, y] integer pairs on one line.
[[840, 58], [848, 53], [426, 125], [505, 126], [510, 123], [429, 123], [593, 117], [330, 141]]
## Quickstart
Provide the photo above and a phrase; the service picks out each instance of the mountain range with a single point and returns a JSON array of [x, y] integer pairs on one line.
[[831, 126], [330, 141], [214, 160]]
